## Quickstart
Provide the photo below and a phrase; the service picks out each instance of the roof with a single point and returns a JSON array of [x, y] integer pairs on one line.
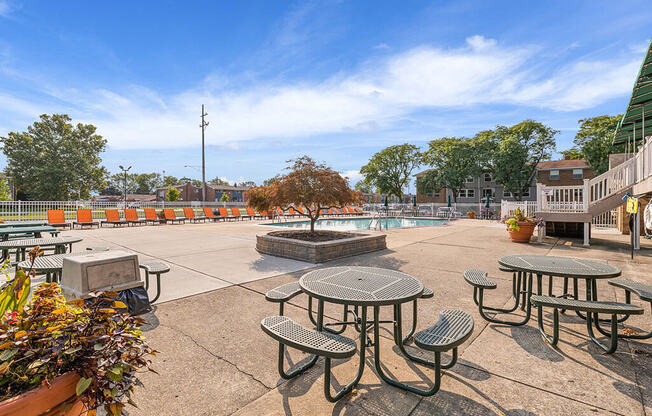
[[640, 105], [563, 164], [420, 174]]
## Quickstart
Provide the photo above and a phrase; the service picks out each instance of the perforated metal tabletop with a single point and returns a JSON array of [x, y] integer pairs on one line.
[[42, 242], [363, 286], [560, 266]]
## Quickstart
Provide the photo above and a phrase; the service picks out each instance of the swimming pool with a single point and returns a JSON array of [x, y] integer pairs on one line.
[[353, 224]]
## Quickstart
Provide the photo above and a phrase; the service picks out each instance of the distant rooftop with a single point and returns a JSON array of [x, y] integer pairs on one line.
[[563, 164]]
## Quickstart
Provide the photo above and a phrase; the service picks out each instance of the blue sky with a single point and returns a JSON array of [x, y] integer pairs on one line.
[[336, 80]]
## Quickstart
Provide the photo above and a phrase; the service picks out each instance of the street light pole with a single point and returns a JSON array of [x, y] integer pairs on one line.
[[203, 125], [125, 183]]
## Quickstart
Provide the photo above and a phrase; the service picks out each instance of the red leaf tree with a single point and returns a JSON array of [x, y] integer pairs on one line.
[[308, 188]]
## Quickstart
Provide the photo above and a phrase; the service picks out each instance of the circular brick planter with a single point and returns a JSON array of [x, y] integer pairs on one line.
[[320, 252]]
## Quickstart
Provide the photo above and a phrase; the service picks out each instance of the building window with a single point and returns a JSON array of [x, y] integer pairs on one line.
[[578, 173], [488, 191], [469, 180], [508, 194], [435, 194], [487, 177], [467, 193], [554, 175]]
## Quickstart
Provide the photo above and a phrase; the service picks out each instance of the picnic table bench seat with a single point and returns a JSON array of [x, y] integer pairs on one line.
[[591, 308], [284, 292], [155, 267], [478, 279], [427, 293], [319, 344], [451, 330], [311, 341], [504, 269], [643, 291]]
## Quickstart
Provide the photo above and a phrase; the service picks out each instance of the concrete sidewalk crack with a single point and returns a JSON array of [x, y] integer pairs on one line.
[[218, 356]]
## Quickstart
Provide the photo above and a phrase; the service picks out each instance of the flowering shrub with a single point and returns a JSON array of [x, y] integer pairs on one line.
[[50, 337]]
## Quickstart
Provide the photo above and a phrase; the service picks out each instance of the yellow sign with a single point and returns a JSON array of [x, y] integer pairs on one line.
[[632, 205]]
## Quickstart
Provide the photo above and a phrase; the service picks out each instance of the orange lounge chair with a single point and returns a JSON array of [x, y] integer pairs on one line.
[[236, 213], [336, 211], [150, 216], [263, 214], [252, 213], [292, 211], [300, 210], [190, 215], [225, 214], [208, 213], [279, 212], [85, 217], [131, 215], [169, 215], [57, 218], [113, 218]]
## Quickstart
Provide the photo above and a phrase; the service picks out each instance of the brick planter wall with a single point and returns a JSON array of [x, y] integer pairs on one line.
[[320, 252]]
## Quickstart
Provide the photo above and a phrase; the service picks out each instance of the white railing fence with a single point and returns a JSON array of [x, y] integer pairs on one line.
[[37, 210], [607, 219], [507, 208], [614, 180], [560, 198]]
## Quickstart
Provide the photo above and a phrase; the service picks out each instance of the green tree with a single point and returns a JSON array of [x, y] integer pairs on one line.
[[146, 183], [364, 187], [572, 153], [195, 182], [390, 170], [248, 184], [594, 141], [5, 192], [452, 159], [218, 181], [271, 181], [172, 194], [519, 149], [54, 160], [225, 197], [170, 180]]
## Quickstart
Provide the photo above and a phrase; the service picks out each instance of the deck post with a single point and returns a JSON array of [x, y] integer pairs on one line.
[[586, 233], [539, 197], [586, 195]]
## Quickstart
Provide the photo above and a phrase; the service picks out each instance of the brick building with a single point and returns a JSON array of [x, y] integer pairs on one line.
[[189, 192], [565, 172]]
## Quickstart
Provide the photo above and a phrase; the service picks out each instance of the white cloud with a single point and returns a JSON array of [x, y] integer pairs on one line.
[[5, 8], [374, 96], [353, 175]]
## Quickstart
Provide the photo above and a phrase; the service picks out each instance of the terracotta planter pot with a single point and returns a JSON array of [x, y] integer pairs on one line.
[[59, 399], [523, 235], [472, 215]]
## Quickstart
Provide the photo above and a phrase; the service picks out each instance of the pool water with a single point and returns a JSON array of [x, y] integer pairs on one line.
[[353, 224]]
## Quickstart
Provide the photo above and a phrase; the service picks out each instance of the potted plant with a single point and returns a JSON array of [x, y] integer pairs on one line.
[[471, 214], [66, 358], [520, 227]]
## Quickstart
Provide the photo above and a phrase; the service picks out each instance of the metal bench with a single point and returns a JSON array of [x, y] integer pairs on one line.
[[479, 280], [643, 291], [156, 267], [319, 344], [591, 308], [451, 330], [283, 294]]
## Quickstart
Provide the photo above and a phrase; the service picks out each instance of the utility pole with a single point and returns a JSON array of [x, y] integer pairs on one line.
[[125, 183], [203, 125]]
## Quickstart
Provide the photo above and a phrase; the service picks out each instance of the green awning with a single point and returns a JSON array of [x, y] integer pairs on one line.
[[640, 106]]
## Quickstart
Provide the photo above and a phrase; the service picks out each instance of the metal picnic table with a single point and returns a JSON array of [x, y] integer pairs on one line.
[[364, 287], [36, 230], [22, 224], [553, 266], [21, 246]]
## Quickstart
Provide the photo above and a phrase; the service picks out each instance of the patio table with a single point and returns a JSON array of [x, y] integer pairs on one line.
[[364, 287], [553, 266], [49, 265], [22, 224], [36, 230], [21, 246]]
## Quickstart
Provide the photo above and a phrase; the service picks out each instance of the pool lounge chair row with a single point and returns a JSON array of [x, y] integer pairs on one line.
[[85, 218]]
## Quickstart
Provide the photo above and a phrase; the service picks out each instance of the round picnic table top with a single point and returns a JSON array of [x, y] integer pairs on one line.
[[560, 266], [363, 286], [33, 242]]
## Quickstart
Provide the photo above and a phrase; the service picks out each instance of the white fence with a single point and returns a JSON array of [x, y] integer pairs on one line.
[[607, 219], [507, 208], [37, 210], [431, 208]]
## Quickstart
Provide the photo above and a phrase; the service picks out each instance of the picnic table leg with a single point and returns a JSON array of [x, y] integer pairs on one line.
[[423, 392], [501, 310], [327, 329], [400, 343], [327, 369], [281, 350], [527, 299]]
